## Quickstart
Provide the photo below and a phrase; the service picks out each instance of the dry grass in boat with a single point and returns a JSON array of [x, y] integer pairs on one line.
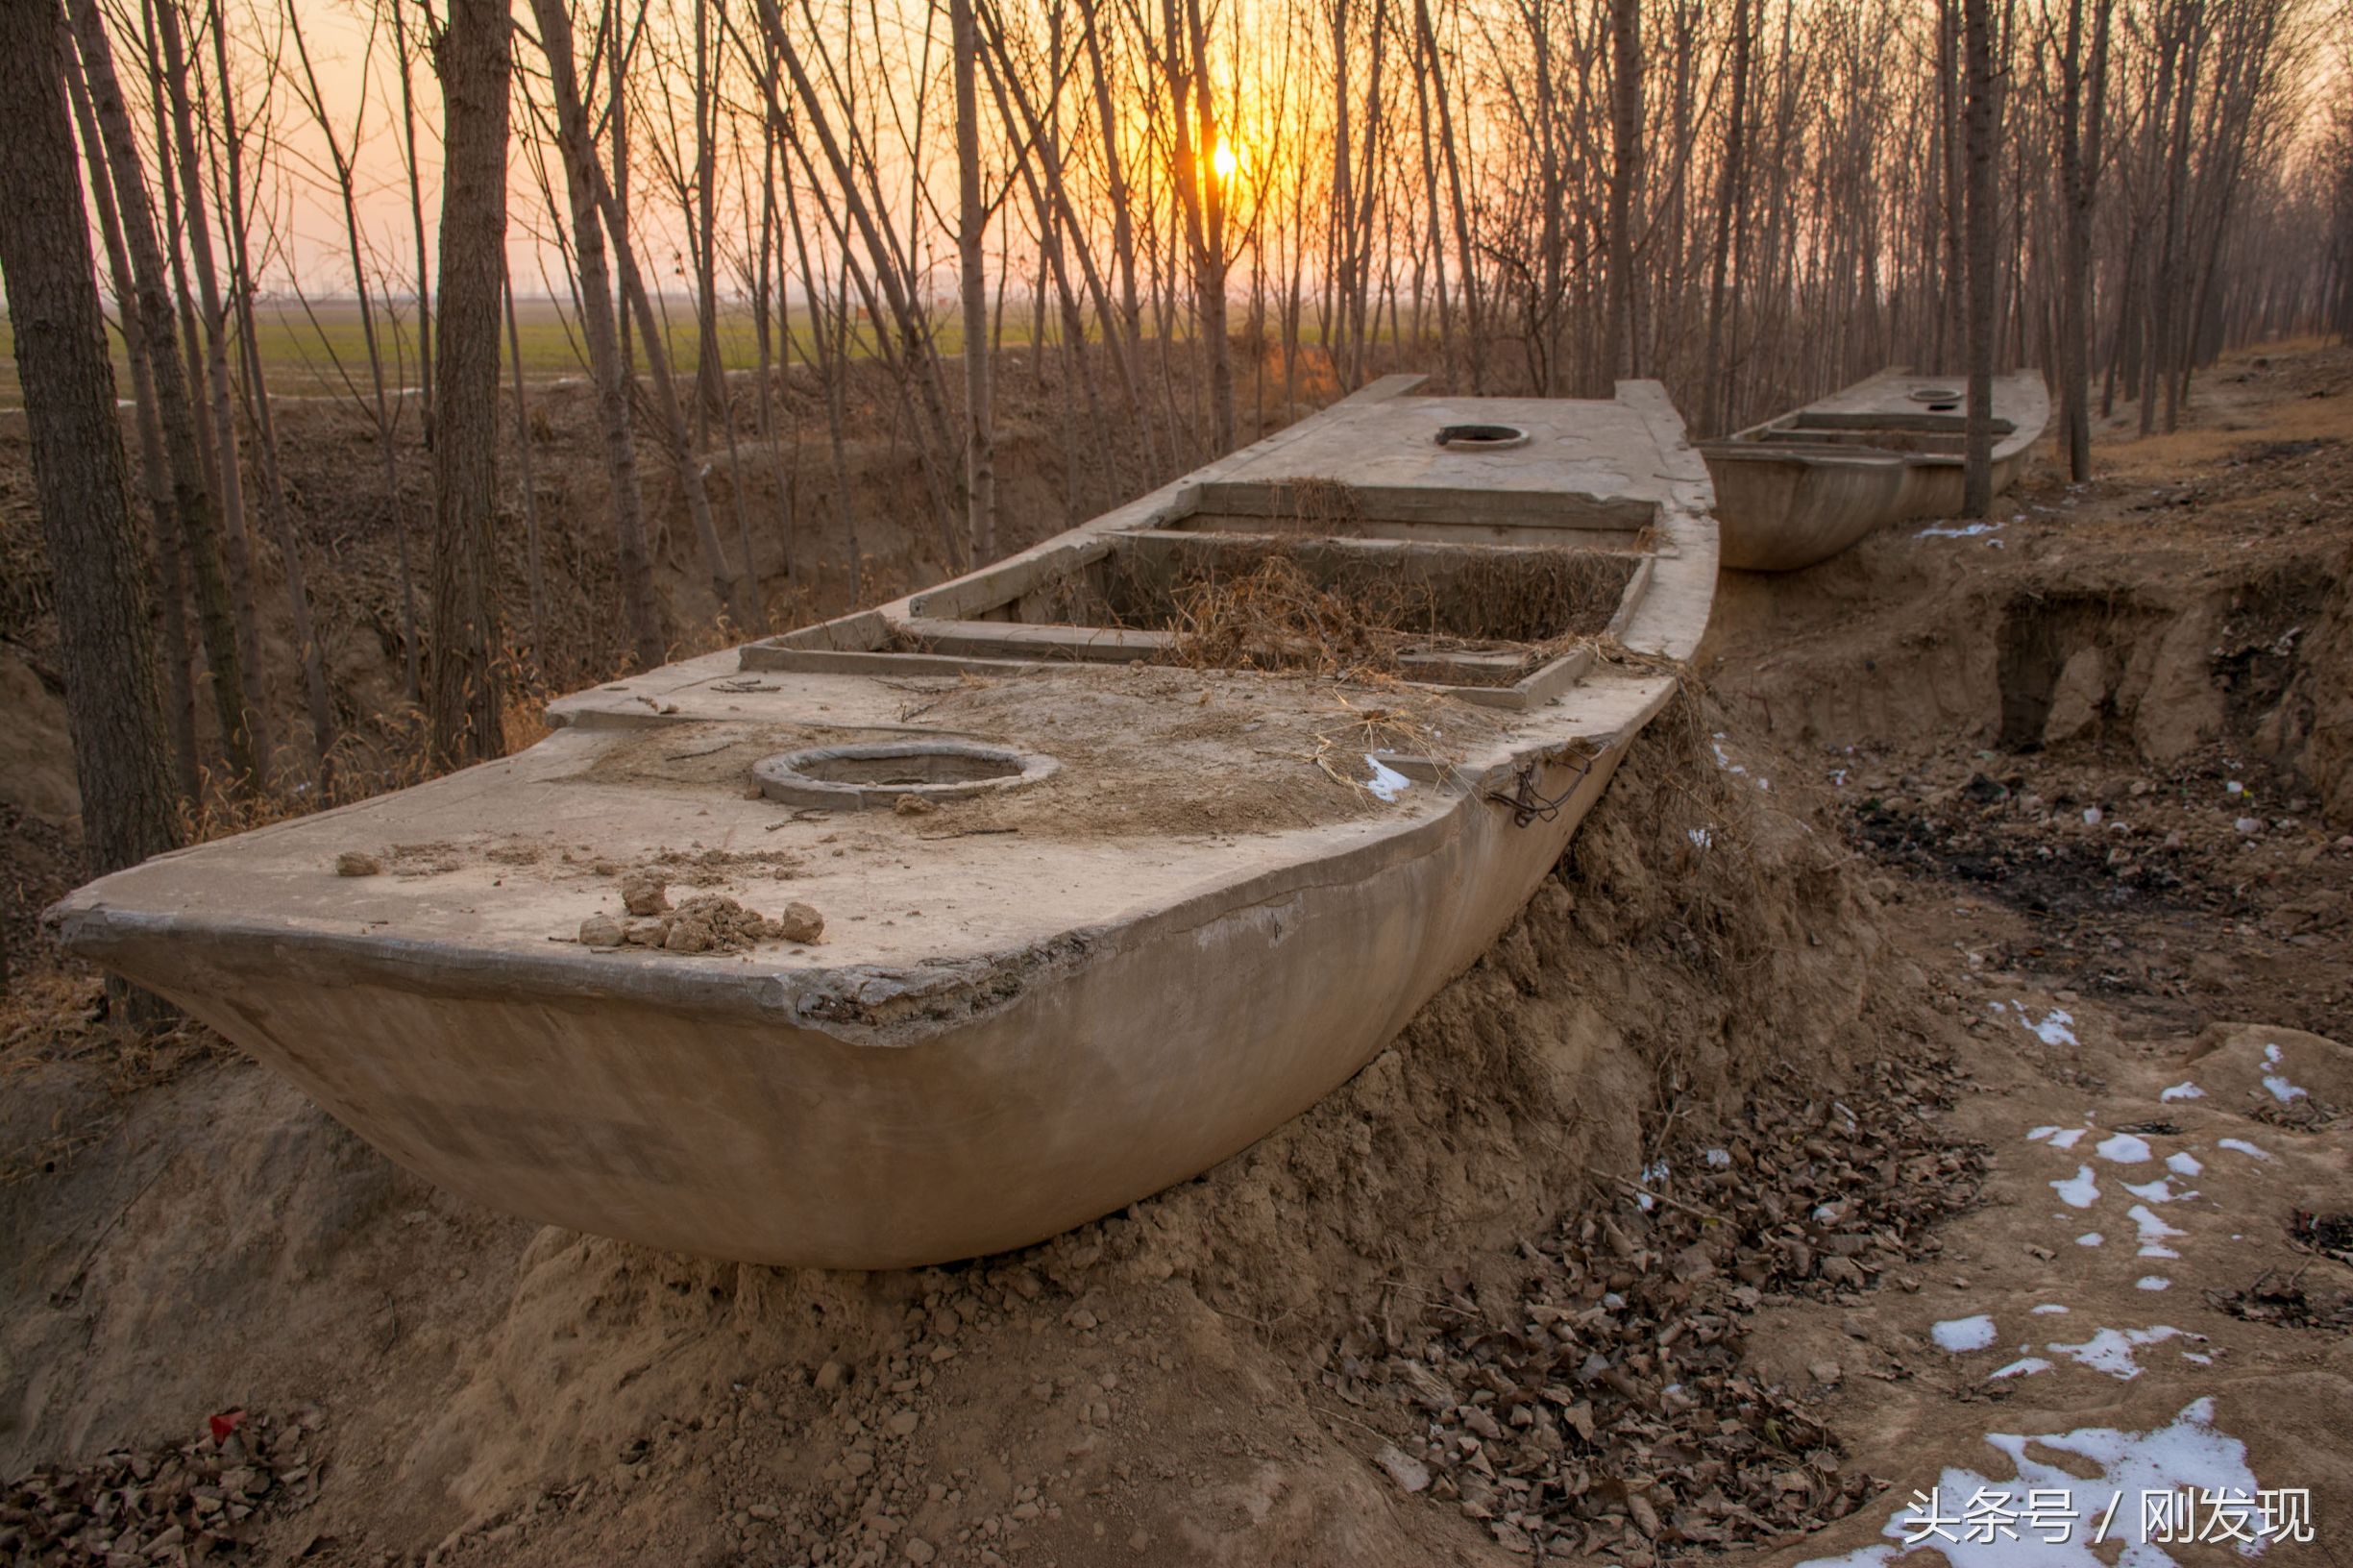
[[1280, 614]]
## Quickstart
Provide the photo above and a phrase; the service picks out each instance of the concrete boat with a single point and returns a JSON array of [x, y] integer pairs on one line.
[[1107, 892], [1798, 489]]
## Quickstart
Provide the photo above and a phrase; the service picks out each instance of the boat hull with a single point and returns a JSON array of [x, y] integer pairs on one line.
[[1935, 489], [1783, 511], [745, 1133]]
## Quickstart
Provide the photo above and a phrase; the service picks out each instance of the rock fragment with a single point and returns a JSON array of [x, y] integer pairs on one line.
[[357, 863], [644, 892]]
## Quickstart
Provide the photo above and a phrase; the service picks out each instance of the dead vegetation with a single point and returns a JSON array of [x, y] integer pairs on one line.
[[202, 1501], [1293, 612], [1604, 1405]]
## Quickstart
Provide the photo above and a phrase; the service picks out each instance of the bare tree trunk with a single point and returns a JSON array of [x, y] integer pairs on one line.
[[598, 324], [2079, 164], [227, 467], [405, 54], [474, 56], [1731, 194], [972, 220], [534, 567], [177, 673], [1626, 173], [175, 406], [78, 471], [1977, 439], [317, 694]]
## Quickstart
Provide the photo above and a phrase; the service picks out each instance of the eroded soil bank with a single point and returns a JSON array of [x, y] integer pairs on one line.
[[1724, 1203]]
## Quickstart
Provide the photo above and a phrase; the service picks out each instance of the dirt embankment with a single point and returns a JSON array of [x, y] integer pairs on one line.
[[1835, 1077]]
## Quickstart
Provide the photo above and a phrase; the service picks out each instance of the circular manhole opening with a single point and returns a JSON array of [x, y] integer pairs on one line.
[[1481, 437], [1939, 397], [881, 772]]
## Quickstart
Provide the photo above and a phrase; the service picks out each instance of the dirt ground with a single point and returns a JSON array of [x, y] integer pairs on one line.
[[1917, 1074]]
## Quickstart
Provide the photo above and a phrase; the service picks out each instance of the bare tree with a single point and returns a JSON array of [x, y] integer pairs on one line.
[[175, 402], [577, 142], [1978, 133], [474, 56], [78, 471], [971, 224]]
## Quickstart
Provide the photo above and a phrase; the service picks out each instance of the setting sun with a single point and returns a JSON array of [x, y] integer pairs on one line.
[[1225, 161]]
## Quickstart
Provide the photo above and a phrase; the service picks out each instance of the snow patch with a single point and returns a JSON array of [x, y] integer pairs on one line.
[[2190, 1453], [2153, 1232], [2184, 1090], [2079, 1190], [1960, 1335], [2241, 1145], [2114, 1351], [2277, 1083], [2123, 1148], [1386, 783]]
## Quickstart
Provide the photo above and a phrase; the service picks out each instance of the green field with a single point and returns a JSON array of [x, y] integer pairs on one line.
[[311, 353]]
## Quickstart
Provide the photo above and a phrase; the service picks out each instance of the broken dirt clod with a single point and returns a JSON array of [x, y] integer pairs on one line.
[[357, 862], [801, 922], [644, 892]]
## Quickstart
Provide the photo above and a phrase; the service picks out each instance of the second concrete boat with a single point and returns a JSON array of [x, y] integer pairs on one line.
[[1800, 488]]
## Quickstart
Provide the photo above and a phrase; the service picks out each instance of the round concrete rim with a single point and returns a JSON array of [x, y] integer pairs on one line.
[[1481, 437], [780, 778], [1931, 392]]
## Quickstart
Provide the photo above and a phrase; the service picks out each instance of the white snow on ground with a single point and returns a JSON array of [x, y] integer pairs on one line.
[[2153, 1232], [2079, 1190], [2184, 1090], [2160, 1190], [1960, 1335], [1386, 783], [2123, 1148], [1967, 531], [1718, 1159], [2113, 1351], [2026, 1366], [2040, 1133], [2055, 1029], [2090, 1238], [1700, 837], [2277, 1083], [2080, 1522], [2153, 1282], [2065, 1140], [2049, 1309], [2183, 1163], [2241, 1145], [1653, 1174]]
